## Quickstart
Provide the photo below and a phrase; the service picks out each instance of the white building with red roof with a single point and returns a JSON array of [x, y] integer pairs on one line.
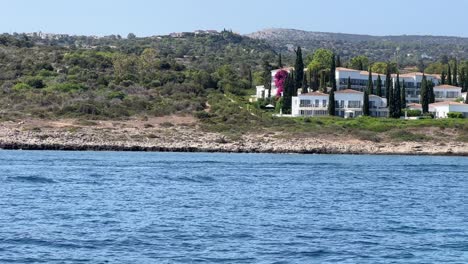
[[348, 104]]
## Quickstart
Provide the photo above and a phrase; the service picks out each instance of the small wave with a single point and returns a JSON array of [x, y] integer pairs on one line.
[[195, 179], [314, 253], [31, 179]]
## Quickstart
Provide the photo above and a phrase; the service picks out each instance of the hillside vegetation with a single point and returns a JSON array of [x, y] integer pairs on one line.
[[112, 77], [412, 49]]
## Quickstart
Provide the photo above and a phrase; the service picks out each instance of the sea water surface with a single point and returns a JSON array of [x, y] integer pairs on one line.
[[121, 207]]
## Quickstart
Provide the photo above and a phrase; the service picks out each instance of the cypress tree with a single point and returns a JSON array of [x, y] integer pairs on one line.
[[365, 105], [466, 81], [449, 75], [403, 96], [293, 84], [443, 78], [462, 79], [331, 103], [349, 83], [338, 61], [280, 61], [397, 98], [455, 74], [370, 83], [431, 94], [305, 84], [250, 78], [314, 81], [299, 68], [388, 85], [267, 77], [333, 73], [360, 66], [379, 86], [391, 101], [465, 87], [323, 84], [424, 100], [288, 93]]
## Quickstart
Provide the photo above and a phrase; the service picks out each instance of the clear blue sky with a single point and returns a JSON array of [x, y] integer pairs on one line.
[[146, 17]]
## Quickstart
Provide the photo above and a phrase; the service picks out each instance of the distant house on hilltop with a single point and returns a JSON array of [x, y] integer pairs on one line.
[[206, 32]]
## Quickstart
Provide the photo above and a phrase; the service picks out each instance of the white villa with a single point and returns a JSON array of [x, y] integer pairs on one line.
[[348, 104], [441, 109]]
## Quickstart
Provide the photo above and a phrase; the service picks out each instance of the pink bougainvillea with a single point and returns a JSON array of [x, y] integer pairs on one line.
[[280, 76]]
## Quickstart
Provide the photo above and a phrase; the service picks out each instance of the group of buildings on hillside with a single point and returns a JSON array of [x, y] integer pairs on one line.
[[195, 33], [349, 102]]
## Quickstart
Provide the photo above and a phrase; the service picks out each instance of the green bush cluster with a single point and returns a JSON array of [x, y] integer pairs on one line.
[[455, 115]]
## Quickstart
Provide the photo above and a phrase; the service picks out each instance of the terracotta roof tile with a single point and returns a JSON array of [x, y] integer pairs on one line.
[[345, 69], [447, 103], [349, 91], [314, 93], [414, 105], [446, 86]]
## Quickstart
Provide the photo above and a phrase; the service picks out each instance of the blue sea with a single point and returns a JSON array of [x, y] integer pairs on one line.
[[122, 207]]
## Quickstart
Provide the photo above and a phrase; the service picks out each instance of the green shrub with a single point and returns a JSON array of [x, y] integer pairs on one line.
[[46, 73], [428, 116], [35, 82], [21, 86], [455, 115], [402, 135], [203, 115], [116, 95], [413, 112]]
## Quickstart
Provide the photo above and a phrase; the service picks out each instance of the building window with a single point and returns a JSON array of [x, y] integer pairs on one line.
[[305, 103], [354, 104], [452, 94]]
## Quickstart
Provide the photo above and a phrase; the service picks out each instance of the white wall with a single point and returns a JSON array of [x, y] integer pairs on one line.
[[442, 92]]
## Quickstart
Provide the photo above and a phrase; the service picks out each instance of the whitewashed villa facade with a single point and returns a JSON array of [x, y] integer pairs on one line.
[[348, 104]]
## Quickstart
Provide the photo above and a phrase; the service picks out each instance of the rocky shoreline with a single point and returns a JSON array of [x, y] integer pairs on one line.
[[185, 136], [220, 149]]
